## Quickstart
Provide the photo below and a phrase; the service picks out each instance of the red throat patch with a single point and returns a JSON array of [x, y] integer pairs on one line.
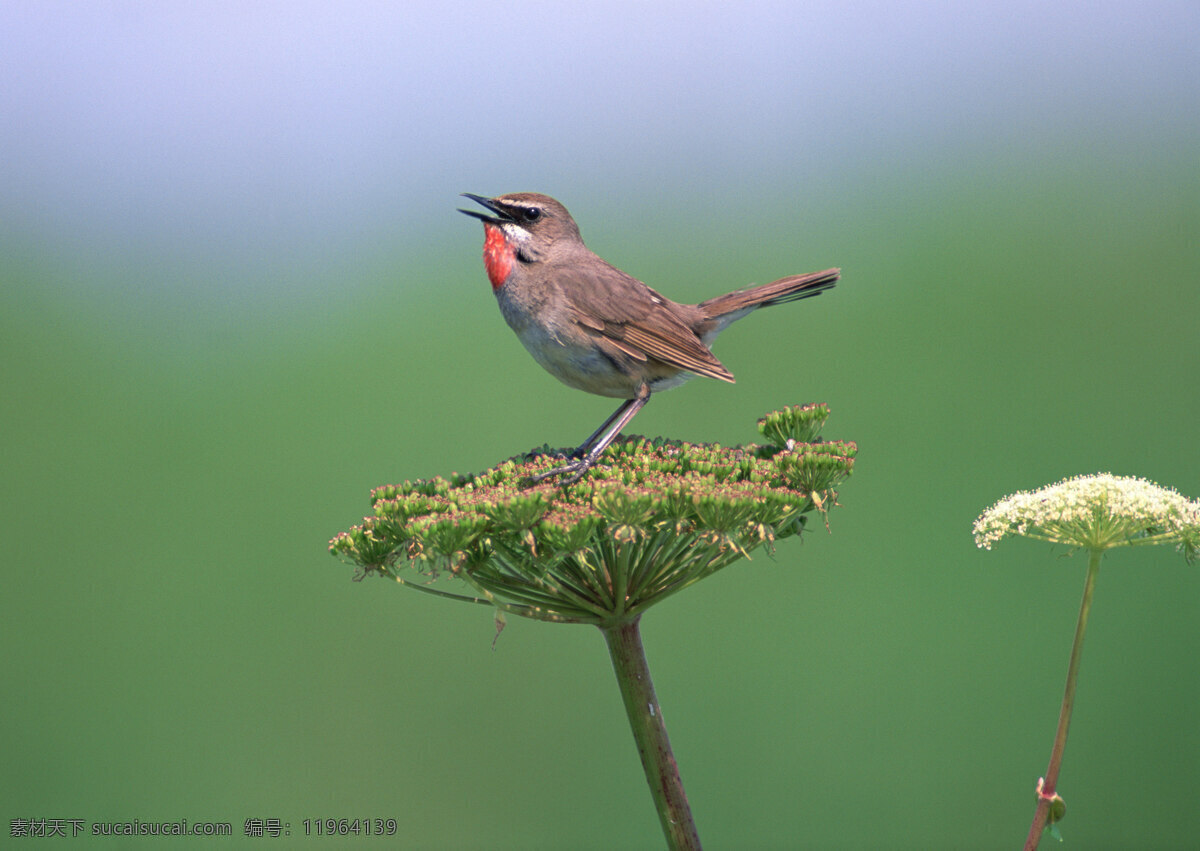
[[497, 255]]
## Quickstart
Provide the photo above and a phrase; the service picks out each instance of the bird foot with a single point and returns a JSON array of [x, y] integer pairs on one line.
[[577, 470]]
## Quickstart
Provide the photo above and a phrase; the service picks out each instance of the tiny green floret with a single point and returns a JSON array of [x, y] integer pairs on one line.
[[1095, 512], [796, 423], [653, 517]]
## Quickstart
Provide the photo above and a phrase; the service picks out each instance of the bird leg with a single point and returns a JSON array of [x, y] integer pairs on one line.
[[592, 448]]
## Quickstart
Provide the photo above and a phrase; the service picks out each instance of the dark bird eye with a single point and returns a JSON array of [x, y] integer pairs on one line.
[[532, 214]]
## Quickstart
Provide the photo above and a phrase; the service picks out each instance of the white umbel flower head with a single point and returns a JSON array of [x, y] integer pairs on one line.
[[1095, 513]]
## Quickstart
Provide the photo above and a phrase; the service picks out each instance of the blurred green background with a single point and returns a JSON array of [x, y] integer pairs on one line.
[[235, 295]]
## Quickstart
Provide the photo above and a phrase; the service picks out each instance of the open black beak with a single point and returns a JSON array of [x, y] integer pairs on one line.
[[501, 216]]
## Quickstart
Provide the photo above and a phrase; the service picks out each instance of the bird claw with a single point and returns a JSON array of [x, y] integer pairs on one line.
[[577, 468]]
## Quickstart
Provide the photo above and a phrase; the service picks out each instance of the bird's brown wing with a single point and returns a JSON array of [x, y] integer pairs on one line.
[[637, 320]]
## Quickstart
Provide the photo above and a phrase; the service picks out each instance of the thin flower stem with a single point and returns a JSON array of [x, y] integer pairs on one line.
[[650, 733], [1046, 789], [437, 592]]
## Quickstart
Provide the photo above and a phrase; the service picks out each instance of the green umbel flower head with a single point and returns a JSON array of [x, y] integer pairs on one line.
[[652, 518]]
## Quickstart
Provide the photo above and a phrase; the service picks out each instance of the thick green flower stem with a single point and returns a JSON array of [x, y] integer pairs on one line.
[[645, 718], [1046, 794]]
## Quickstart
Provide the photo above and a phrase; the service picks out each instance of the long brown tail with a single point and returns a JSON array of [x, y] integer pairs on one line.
[[791, 288]]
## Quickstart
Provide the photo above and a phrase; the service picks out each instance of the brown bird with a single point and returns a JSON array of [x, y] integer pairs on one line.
[[597, 329]]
